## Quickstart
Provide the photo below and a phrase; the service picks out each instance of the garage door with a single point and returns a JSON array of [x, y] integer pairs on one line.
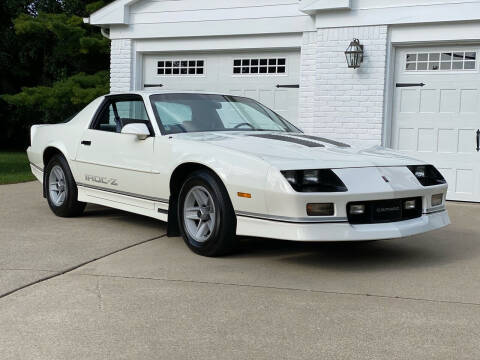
[[269, 77], [437, 113]]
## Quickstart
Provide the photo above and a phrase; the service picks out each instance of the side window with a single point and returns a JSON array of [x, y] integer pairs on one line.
[[117, 113], [106, 120]]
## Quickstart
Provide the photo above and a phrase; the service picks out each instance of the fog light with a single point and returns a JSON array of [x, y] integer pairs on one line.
[[437, 199], [409, 204], [325, 209], [357, 209]]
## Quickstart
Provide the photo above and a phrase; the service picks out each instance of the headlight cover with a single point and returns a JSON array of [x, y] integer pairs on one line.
[[427, 175], [321, 180]]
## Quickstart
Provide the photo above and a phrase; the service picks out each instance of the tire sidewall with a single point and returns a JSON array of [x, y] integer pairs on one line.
[[70, 202], [223, 224]]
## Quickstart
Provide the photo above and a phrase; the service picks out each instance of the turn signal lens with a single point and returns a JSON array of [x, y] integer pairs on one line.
[[409, 204], [357, 209], [437, 199], [325, 209]]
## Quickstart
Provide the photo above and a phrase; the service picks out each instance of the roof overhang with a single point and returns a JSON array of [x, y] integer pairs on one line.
[[115, 13], [313, 6]]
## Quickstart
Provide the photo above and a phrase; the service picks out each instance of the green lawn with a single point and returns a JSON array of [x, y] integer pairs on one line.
[[14, 168]]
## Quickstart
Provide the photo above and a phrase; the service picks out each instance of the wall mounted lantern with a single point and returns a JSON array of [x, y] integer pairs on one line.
[[354, 54]]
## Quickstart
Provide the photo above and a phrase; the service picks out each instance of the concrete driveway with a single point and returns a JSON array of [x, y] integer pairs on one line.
[[141, 295]]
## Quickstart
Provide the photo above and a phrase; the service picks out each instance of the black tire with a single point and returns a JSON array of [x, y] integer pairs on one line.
[[222, 239], [71, 206]]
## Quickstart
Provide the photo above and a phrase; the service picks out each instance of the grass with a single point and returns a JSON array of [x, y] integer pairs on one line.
[[14, 168]]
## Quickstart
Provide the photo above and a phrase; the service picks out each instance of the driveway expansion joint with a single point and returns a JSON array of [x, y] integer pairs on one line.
[[282, 288], [24, 269], [63, 272]]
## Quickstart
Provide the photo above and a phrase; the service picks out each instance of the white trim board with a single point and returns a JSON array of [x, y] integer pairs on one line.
[[220, 43], [422, 33], [411, 14], [293, 24]]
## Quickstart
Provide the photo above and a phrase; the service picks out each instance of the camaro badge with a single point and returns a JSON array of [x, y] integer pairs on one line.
[[385, 179]]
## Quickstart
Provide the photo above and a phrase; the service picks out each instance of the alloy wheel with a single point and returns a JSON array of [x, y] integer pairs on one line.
[[199, 214]]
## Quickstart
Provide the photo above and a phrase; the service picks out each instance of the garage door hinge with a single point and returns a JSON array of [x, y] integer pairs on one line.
[[289, 86], [409, 84], [152, 85]]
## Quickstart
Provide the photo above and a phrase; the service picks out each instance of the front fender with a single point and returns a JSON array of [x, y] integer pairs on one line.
[[239, 172]]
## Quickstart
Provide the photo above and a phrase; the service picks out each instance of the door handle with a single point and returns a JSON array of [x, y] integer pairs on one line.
[[86, 142], [478, 140]]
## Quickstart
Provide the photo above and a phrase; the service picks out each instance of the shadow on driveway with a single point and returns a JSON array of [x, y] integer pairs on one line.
[[413, 252]]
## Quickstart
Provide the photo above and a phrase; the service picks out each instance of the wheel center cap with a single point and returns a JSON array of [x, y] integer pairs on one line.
[[203, 214]]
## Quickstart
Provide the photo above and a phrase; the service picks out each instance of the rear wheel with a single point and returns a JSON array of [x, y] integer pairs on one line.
[[61, 189], [206, 217]]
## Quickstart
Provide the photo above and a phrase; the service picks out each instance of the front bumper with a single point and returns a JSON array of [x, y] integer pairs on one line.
[[340, 231]]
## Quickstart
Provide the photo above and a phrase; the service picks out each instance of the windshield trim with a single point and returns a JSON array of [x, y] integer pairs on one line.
[[291, 128]]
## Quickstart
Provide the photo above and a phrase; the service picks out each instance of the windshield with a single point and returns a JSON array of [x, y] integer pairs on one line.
[[177, 113]]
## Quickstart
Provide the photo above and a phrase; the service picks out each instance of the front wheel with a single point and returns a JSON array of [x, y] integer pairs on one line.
[[206, 217], [61, 189]]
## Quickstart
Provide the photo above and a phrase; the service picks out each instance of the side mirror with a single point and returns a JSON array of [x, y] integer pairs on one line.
[[139, 129]]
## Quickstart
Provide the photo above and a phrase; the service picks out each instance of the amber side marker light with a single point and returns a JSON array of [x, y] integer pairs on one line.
[[244, 195]]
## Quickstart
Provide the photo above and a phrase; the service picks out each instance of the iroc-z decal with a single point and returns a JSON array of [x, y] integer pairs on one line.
[[101, 180]]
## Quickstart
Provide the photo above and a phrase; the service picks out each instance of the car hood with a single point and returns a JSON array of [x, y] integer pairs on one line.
[[298, 151]]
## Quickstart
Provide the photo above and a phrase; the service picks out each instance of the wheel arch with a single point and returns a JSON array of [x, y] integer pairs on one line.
[[179, 174]]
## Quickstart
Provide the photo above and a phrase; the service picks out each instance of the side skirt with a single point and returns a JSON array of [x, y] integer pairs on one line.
[[137, 205]]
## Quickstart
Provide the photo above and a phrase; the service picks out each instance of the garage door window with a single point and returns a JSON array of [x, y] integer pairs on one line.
[[181, 67], [441, 61], [270, 66]]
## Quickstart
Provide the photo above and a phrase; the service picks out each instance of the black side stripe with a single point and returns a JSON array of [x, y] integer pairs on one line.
[[36, 167], [288, 139], [328, 141], [123, 193]]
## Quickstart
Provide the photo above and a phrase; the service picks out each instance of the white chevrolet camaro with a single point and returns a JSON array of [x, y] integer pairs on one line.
[[217, 166]]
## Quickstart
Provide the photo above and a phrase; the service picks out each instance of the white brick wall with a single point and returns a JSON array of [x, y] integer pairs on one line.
[[121, 65], [339, 102], [308, 65]]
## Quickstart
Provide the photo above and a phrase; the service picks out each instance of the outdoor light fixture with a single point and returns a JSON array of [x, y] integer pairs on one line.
[[354, 54]]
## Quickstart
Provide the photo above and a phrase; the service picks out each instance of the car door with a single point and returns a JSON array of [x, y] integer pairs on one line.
[[116, 164]]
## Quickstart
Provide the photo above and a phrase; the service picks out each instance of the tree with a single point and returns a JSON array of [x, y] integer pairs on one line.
[[60, 63]]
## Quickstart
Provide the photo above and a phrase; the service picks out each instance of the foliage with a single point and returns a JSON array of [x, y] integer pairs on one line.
[[52, 104], [14, 168], [52, 63]]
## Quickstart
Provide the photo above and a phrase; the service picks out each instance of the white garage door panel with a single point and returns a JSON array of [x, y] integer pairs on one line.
[[218, 75], [438, 122]]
